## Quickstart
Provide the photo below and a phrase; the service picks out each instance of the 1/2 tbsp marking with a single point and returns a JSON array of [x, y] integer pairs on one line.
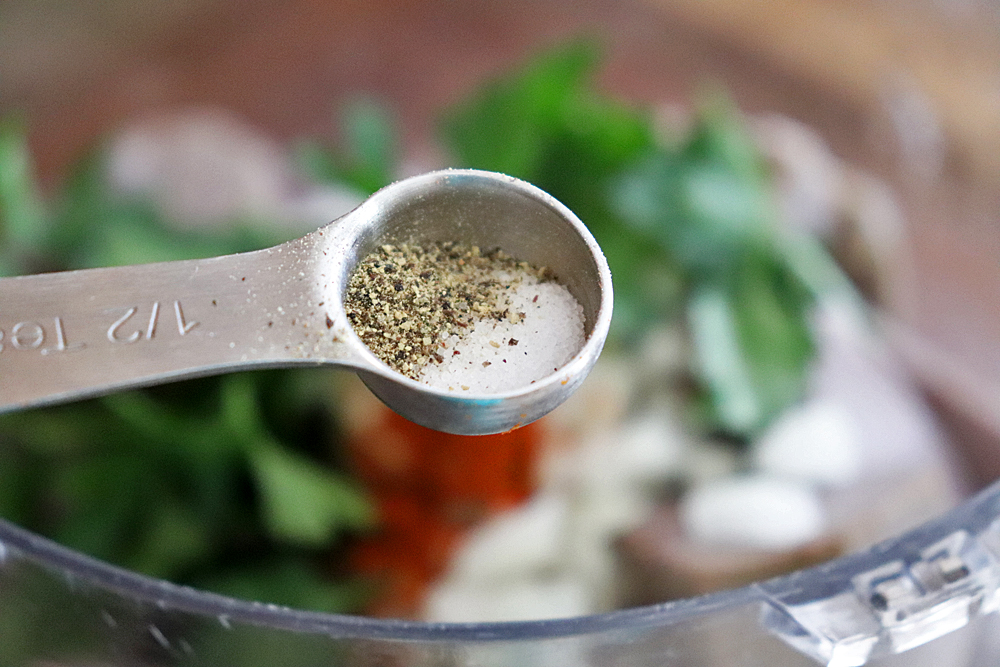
[[27, 336], [61, 344], [115, 335], [30, 335], [130, 326], [113, 329], [182, 325]]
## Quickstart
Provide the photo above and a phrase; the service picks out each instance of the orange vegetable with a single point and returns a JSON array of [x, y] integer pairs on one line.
[[429, 488]]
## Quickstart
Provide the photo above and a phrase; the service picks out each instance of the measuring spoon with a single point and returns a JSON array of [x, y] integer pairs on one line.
[[77, 334]]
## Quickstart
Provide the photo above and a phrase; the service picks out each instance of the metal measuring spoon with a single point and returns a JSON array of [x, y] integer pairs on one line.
[[77, 334]]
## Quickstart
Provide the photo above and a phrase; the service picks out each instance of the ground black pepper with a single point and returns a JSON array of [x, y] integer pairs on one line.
[[435, 290]]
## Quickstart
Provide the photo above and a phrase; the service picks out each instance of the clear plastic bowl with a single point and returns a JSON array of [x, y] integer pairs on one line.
[[931, 592]]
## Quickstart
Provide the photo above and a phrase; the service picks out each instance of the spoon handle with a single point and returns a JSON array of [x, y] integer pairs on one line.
[[83, 333]]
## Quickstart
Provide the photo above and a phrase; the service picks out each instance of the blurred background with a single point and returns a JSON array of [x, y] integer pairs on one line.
[[876, 78], [841, 157]]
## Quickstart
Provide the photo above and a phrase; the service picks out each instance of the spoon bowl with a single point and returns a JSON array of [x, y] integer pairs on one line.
[[75, 334]]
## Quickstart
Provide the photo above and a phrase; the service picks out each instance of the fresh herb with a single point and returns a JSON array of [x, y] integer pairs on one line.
[[23, 223], [686, 224], [199, 482], [367, 159]]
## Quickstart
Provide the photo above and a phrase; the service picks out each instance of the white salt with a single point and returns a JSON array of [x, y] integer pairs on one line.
[[496, 356]]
